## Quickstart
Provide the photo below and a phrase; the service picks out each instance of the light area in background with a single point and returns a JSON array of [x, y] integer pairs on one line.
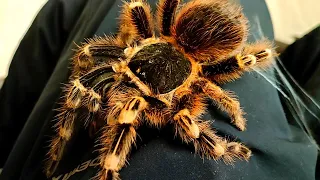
[[16, 17], [293, 18]]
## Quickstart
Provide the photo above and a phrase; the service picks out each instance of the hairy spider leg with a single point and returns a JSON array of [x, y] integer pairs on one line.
[[94, 52], [224, 101], [166, 15], [257, 55], [64, 125], [191, 129], [135, 23], [119, 136], [78, 95]]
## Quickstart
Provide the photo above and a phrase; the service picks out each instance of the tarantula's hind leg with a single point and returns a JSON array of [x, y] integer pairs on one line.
[[212, 146], [118, 138], [206, 142], [135, 23], [224, 100], [166, 15], [258, 55]]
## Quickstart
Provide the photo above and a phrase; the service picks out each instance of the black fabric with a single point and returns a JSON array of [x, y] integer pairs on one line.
[[32, 66], [301, 60], [280, 150], [42, 81]]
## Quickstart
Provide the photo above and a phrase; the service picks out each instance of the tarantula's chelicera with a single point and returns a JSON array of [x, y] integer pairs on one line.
[[137, 78]]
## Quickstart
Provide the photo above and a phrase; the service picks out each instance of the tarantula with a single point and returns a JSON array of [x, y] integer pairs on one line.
[[136, 77]]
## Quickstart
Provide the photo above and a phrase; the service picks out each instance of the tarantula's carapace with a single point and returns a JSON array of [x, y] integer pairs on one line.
[[137, 77]]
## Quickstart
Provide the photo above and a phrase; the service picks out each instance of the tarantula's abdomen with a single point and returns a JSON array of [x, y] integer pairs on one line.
[[210, 29], [160, 66]]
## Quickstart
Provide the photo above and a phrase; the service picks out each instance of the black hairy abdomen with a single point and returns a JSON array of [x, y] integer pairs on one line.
[[160, 66]]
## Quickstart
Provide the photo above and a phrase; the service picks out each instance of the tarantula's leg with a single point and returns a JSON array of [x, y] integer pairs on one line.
[[209, 145], [166, 15], [206, 142], [135, 23], [78, 95], [92, 78], [224, 101], [64, 125], [258, 55], [95, 51], [212, 146], [118, 138]]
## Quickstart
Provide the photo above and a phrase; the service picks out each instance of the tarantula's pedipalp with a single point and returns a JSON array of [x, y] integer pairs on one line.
[[255, 55], [210, 30], [206, 142], [135, 23], [166, 15]]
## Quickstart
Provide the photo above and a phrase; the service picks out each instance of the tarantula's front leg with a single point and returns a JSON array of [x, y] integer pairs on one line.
[[78, 96], [96, 51], [206, 142], [118, 138], [65, 122], [224, 101], [258, 55]]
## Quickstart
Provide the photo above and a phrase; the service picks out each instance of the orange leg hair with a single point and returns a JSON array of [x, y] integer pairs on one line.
[[135, 23], [119, 136], [224, 100], [94, 52], [166, 15], [77, 96], [192, 130], [258, 55]]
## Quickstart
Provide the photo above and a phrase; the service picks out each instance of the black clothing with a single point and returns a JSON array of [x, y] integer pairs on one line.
[[40, 66]]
